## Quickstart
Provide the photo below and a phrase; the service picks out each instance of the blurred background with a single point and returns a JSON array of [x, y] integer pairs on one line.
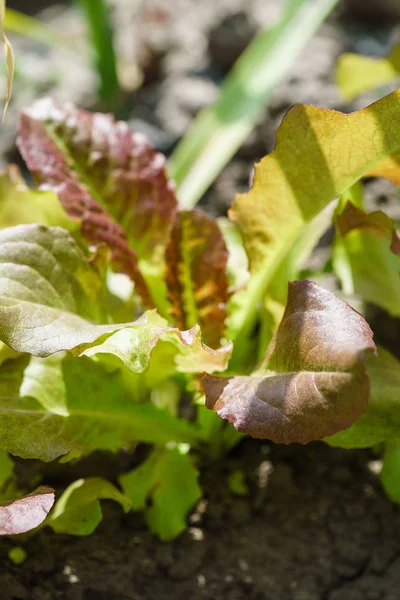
[[156, 64]]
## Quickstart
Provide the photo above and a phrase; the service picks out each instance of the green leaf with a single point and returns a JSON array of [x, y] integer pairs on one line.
[[196, 277], [6, 467], [8, 480], [296, 182], [169, 480], [91, 409], [237, 265], [289, 269], [312, 381], [219, 435], [139, 483], [390, 474], [27, 513], [78, 510], [271, 316], [363, 257], [44, 280], [159, 350], [20, 205], [356, 74], [7, 353], [30, 27], [381, 422], [219, 130]]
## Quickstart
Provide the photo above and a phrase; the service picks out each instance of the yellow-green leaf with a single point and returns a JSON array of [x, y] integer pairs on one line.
[[319, 154], [356, 74], [20, 205], [78, 511]]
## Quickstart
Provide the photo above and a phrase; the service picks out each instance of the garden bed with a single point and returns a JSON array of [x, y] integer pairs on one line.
[[311, 523]]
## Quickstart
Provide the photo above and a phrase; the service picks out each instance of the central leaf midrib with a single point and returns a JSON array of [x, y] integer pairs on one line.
[[83, 179]]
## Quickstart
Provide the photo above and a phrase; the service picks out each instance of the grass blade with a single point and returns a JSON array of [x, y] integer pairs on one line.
[[98, 18], [219, 130], [17, 22], [9, 55]]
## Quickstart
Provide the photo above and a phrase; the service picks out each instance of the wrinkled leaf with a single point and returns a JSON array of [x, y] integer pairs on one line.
[[169, 480], [24, 514], [106, 176], [293, 184], [45, 283], [45, 280], [170, 350], [312, 382], [196, 278], [78, 510], [296, 181], [356, 74], [381, 422], [91, 409]]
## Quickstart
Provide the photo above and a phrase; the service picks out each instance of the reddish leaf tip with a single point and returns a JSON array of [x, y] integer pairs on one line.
[[313, 382]]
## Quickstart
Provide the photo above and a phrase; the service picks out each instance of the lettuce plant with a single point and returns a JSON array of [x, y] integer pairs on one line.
[[120, 313]]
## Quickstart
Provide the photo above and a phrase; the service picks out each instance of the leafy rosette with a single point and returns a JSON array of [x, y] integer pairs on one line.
[[52, 301], [112, 181]]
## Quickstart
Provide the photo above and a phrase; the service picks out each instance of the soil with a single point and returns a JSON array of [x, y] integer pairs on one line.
[[315, 523]]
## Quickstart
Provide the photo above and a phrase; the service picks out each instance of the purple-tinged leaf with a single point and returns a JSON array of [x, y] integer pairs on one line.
[[106, 176], [197, 278], [313, 381], [24, 514]]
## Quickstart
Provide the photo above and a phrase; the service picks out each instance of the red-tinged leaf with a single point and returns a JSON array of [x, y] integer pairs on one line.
[[197, 280], [106, 176], [354, 218], [313, 382], [24, 514]]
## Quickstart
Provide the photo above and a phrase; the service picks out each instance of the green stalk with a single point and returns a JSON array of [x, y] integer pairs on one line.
[[17, 22], [219, 130], [98, 19]]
